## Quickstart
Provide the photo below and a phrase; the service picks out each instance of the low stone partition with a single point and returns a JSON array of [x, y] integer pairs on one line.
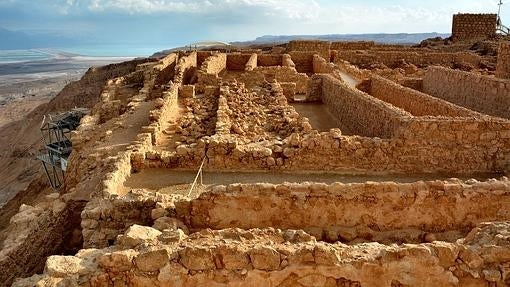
[[237, 61], [414, 102], [394, 58], [346, 212], [287, 61], [215, 64], [269, 60], [103, 219], [483, 94], [360, 112], [262, 74], [303, 61], [252, 63], [148, 257], [321, 66], [314, 47], [359, 45]]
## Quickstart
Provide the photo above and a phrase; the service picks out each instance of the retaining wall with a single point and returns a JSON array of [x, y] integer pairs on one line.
[[414, 102], [360, 112], [483, 94]]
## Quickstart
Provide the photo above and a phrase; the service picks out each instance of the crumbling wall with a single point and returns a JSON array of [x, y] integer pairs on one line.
[[237, 62], [321, 66], [269, 60], [320, 209], [263, 74], [315, 47], [214, 64], [363, 114], [414, 102], [359, 45], [479, 93], [474, 26], [202, 56], [303, 61], [102, 220], [252, 62], [36, 233], [394, 58], [503, 66], [149, 257], [185, 69], [165, 69]]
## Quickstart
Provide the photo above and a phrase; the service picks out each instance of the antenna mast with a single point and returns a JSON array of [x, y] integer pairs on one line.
[[499, 10]]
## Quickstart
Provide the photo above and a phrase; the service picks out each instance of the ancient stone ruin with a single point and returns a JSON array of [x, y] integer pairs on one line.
[[319, 164]]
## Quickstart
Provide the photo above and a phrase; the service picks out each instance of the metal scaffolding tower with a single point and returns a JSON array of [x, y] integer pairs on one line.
[[56, 134]]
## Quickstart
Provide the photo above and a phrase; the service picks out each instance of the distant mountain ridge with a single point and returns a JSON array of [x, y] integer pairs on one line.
[[385, 38]]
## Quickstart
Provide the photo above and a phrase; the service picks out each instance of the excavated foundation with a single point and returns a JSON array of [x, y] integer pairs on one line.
[[274, 169]]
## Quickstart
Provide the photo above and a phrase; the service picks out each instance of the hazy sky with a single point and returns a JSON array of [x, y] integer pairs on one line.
[[183, 21]]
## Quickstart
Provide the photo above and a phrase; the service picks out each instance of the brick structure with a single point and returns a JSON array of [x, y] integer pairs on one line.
[[503, 68], [474, 26]]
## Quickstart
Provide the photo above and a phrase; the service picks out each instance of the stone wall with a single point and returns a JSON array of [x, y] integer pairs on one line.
[[414, 102], [102, 220], [214, 64], [269, 60], [360, 112], [252, 62], [503, 66], [34, 234], [237, 62], [148, 257], [483, 94], [321, 209], [394, 58], [474, 26], [359, 45], [303, 61], [315, 47], [262, 74]]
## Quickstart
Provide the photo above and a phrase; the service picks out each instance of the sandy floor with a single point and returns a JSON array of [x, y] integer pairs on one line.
[[319, 116]]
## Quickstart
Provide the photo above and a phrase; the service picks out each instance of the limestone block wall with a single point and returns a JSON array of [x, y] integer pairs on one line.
[[321, 66], [414, 102], [359, 45], [165, 69], [269, 60], [214, 64], [320, 47], [363, 114], [474, 26], [36, 233], [287, 61], [282, 74], [483, 94], [303, 61], [252, 63], [236, 257], [102, 220], [503, 66], [202, 56], [393, 58], [321, 209], [185, 68], [237, 62]]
